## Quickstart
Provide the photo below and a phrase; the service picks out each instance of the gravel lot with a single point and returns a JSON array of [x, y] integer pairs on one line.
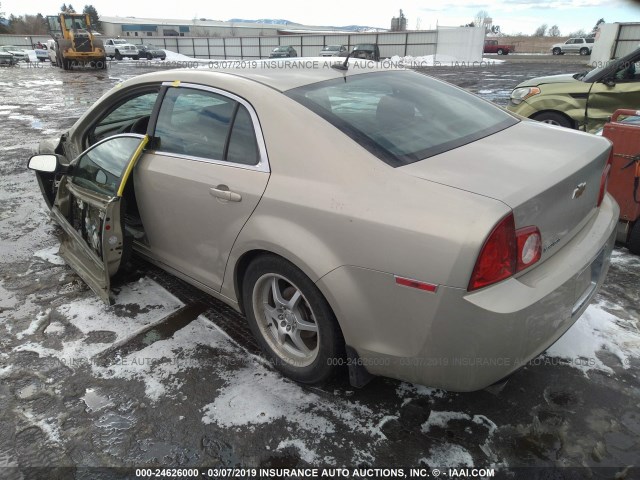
[[170, 377]]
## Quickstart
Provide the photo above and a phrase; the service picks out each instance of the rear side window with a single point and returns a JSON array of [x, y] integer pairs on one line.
[[204, 124], [243, 147], [403, 117]]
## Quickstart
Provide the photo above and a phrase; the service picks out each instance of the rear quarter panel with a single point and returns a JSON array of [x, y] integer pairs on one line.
[[329, 203]]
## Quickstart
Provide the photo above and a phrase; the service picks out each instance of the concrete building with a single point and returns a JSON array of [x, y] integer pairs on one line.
[[150, 27]]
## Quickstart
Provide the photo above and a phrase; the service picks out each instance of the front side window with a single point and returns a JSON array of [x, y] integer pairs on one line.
[[131, 116], [100, 169], [402, 117], [205, 124]]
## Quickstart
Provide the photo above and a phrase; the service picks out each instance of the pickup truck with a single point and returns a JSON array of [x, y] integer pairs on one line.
[[119, 48], [582, 46], [492, 46]]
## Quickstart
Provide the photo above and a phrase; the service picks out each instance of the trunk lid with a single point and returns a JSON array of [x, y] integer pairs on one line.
[[549, 176]]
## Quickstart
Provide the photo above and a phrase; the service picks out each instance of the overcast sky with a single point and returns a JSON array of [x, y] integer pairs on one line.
[[512, 15]]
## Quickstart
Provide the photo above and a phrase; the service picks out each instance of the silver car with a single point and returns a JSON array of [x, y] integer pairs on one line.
[[19, 54], [410, 229], [332, 50]]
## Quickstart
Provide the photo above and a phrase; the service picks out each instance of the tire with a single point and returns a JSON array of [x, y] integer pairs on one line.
[[308, 354], [584, 51], [556, 51], [634, 239], [554, 118], [149, 56], [118, 56], [500, 51], [135, 57]]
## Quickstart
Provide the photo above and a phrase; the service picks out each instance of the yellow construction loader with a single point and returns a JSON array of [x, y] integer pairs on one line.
[[75, 42]]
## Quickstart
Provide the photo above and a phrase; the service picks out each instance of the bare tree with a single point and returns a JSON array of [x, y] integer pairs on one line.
[[483, 20], [28, 25], [554, 31], [578, 34], [541, 31]]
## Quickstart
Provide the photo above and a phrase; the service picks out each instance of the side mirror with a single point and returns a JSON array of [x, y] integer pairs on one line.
[[47, 163], [609, 82]]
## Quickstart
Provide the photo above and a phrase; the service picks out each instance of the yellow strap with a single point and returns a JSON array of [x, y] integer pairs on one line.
[[132, 163]]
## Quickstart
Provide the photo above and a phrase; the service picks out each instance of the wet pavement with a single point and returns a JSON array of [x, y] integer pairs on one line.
[[171, 377]]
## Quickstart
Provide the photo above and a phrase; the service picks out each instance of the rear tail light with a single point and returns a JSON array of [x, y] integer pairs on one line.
[[497, 259], [604, 180], [505, 252]]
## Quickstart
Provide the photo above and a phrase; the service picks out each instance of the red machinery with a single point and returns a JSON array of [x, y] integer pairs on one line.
[[624, 180]]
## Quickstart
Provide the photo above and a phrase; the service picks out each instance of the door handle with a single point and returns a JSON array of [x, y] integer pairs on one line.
[[223, 193]]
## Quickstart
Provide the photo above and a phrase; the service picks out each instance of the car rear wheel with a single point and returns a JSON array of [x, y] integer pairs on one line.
[[118, 56], [584, 51], [634, 239], [291, 320], [553, 118], [500, 51], [149, 56], [556, 51]]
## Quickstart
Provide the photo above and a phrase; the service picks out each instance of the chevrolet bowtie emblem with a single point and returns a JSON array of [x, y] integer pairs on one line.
[[579, 190]]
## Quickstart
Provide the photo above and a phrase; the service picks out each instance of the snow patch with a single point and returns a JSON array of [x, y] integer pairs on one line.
[[54, 328], [440, 60], [158, 364], [598, 330], [34, 324], [91, 314], [408, 391], [306, 453], [450, 456], [50, 255], [441, 419], [49, 425], [178, 57]]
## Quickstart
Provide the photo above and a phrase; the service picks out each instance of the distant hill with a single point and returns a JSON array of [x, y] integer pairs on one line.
[[288, 23], [266, 21]]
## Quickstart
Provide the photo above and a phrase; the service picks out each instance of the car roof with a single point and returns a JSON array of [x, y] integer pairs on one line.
[[279, 74]]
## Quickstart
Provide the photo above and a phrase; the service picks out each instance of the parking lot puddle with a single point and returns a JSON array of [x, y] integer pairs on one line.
[[94, 401], [114, 422]]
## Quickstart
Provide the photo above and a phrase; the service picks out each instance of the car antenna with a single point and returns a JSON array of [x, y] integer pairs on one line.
[[344, 65]]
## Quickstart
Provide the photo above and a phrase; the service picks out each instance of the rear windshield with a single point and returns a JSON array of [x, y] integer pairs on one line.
[[402, 117]]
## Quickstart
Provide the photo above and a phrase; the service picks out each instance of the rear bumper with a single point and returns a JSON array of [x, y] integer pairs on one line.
[[463, 341]]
